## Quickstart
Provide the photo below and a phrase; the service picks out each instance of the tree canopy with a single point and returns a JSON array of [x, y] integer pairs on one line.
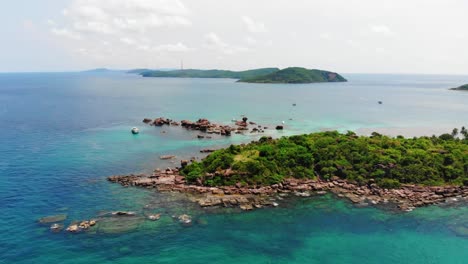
[[388, 161]]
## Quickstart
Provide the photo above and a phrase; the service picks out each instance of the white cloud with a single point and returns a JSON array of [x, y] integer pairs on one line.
[[128, 41], [123, 31], [254, 26], [178, 47], [325, 36], [63, 32], [115, 16], [382, 29], [250, 41], [214, 42]]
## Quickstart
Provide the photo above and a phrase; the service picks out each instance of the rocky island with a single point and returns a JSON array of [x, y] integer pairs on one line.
[[264, 75], [377, 170], [461, 88]]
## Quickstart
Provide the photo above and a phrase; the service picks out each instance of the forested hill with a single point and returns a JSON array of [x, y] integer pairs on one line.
[[461, 88], [296, 75], [387, 161], [263, 75], [191, 73]]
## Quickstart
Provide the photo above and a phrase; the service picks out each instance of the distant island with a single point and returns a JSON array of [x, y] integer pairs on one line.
[[262, 75], [461, 88]]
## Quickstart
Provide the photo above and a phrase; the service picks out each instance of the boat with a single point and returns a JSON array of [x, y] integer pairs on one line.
[[135, 130], [380, 102]]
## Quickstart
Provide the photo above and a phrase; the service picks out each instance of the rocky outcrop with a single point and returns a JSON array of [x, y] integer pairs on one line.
[[250, 197], [160, 121], [206, 126]]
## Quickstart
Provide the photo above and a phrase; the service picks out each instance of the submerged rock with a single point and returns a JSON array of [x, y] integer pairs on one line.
[[52, 219], [56, 227], [115, 225], [185, 219]]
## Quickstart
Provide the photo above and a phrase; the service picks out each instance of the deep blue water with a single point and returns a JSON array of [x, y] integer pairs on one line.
[[63, 133]]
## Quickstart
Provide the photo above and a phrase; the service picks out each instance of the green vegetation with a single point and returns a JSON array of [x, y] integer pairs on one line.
[[461, 88], [138, 71], [296, 75], [388, 161], [265, 75], [209, 73]]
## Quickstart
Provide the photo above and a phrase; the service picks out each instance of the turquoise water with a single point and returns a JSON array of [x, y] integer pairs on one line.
[[62, 134]]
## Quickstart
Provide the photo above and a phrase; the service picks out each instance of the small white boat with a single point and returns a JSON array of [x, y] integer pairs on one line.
[[135, 130]]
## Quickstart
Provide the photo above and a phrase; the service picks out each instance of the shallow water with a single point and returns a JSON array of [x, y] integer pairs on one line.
[[62, 134]]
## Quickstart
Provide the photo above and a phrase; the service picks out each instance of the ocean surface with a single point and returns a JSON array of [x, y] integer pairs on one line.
[[63, 133]]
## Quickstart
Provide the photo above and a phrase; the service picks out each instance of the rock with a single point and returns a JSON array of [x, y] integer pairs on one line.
[[123, 213], [154, 217], [246, 207], [200, 136], [147, 120], [92, 222], [84, 225], [210, 201], [279, 127], [207, 150], [184, 163], [73, 228], [56, 227], [275, 204], [166, 157], [161, 121], [185, 219]]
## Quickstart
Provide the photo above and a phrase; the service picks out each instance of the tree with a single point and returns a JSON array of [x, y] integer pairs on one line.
[[455, 132], [464, 132]]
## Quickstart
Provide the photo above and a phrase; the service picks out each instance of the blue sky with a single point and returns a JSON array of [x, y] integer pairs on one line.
[[399, 36]]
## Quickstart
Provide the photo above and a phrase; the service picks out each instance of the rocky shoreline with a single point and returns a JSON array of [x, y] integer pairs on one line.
[[405, 198], [205, 126]]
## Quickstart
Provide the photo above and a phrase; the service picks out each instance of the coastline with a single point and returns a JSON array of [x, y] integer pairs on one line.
[[405, 198]]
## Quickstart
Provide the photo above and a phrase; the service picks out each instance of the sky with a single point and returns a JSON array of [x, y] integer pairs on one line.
[[346, 36]]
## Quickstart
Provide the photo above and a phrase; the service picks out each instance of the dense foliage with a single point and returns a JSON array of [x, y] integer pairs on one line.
[[388, 161], [209, 73], [296, 75]]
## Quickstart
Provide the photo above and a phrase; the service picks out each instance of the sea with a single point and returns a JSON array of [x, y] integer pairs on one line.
[[62, 134]]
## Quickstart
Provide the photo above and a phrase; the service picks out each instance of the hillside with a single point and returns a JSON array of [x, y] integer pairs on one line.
[[387, 161], [461, 88], [296, 75], [263, 75], [192, 73]]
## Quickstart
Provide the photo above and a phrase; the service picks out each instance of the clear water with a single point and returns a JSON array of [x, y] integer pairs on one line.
[[62, 134]]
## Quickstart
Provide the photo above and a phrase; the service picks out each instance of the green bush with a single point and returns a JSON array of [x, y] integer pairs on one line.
[[390, 161], [389, 183]]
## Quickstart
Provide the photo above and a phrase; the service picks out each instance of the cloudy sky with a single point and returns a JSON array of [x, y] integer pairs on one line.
[[367, 36]]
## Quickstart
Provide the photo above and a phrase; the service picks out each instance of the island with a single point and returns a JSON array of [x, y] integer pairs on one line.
[[296, 75], [461, 88], [397, 172], [263, 75]]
